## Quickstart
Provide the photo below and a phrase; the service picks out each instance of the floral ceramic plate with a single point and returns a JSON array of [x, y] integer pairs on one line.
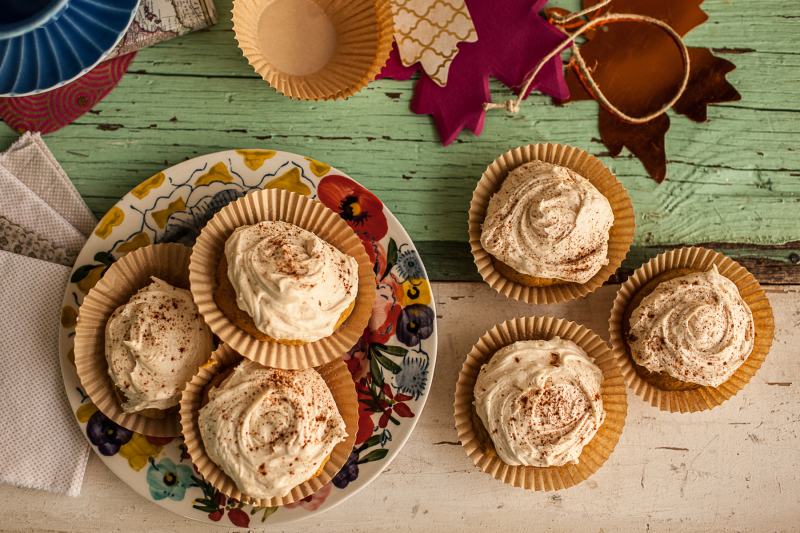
[[392, 364]]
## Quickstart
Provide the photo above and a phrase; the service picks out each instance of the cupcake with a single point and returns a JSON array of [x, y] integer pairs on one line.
[[549, 223], [690, 328], [315, 49], [140, 338], [266, 435], [155, 344], [281, 283], [540, 403], [283, 280]]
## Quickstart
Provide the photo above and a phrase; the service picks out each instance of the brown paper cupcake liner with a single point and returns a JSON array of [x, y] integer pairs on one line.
[[274, 204], [594, 454], [341, 385], [364, 33], [168, 262], [701, 398], [583, 163]]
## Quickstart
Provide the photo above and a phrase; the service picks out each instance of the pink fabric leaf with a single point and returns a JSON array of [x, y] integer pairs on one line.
[[512, 39]]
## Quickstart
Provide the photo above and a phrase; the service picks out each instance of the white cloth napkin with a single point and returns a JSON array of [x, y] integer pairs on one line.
[[32, 163], [41, 445]]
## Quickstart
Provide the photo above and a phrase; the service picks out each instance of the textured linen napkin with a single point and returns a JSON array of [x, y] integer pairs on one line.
[[16, 239], [41, 445], [31, 162]]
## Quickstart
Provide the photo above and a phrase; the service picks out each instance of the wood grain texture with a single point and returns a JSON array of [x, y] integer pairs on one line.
[[733, 179], [730, 469]]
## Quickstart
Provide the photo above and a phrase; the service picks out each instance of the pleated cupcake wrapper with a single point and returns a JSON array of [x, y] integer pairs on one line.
[[341, 385], [274, 204], [594, 454], [583, 163], [364, 37], [168, 262], [703, 398]]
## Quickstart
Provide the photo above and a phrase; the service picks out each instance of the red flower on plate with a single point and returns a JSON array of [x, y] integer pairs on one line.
[[360, 208], [385, 312], [356, 358], [365, 425], [393, 403], [312, 502]]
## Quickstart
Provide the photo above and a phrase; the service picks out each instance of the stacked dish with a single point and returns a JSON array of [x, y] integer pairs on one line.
[[47, 44]]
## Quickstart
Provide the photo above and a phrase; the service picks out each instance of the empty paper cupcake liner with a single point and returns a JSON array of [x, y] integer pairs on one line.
[[594, 454], [360, 34], [584, 164], [168, 262], [341, 385], [275, 204], [703, 397]]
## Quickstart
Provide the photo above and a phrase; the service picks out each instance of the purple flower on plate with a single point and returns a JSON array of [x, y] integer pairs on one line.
[[106, 435], [414, 324], [348, 473]]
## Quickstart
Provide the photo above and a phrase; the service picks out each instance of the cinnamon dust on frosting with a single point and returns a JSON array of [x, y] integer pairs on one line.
[[549, 222], [293, 284], [270, 429], [696, 328], [540, 401], [155, 343]]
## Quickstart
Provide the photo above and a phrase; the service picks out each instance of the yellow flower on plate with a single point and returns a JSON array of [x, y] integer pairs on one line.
[[414, 291], [254, 159], [290, 181], [112, 219], [144, 188], [218, 172], [140, 240], [138, 451], [85, 412], [162, 216], [319, 169]]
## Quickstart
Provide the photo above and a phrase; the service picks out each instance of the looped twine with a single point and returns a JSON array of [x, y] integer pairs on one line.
[[512, 106]]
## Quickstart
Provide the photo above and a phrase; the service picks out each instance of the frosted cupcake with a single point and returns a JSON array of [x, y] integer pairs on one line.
[[547, 225], [281, 283], [690, 328], [283, 280], [268, 436], [539, 402], [155, 343], [270, 429]]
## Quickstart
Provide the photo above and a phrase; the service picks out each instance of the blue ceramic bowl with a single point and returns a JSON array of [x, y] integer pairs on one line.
[[66, 47], [21, 16]]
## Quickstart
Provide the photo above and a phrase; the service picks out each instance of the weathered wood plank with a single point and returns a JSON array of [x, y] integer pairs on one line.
[[732, 180], [730, 469]]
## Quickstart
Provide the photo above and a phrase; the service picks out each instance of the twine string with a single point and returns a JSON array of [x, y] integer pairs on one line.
[[512, 106]]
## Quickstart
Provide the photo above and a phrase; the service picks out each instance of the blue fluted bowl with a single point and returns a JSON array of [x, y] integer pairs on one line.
[[22, 16], [64, 49]]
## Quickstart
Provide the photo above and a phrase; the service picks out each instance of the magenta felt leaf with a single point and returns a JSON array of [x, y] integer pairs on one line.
[[512, 39]]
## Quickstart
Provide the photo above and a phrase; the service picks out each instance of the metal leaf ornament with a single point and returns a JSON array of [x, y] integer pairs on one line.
[[639, 67]]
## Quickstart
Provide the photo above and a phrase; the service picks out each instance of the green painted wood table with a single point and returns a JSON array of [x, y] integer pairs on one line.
[[733, 181]]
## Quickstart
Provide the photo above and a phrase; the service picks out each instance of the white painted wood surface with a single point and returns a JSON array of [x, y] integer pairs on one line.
[[731, 469]]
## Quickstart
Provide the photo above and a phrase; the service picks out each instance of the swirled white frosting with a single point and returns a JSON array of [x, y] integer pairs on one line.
[[155, 343], [293, 284], [540, 402], [270, 429], [696, 328], [549, 222]]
